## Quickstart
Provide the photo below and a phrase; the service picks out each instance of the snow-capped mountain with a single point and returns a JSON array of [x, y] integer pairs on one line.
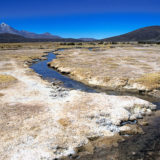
[[5, 28]]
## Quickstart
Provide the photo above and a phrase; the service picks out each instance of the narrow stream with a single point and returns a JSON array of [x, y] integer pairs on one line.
[[138, 147], [50, 74]]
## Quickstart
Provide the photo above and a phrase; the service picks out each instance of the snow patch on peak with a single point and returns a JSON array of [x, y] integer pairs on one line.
[[3, 24]]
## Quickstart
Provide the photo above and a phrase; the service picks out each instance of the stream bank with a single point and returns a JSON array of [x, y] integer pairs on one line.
[[128, 70], [140, 146]]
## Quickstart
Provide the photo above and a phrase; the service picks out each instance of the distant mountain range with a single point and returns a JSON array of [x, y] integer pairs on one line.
[[88, 39], [5, 28], [14, 38], [9, 34], [151, 33]]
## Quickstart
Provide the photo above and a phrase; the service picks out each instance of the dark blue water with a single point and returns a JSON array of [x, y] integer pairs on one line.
[[50, 74]]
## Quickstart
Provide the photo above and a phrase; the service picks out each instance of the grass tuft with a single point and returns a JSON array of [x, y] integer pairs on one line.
[[6, 80], [150, 80], [64, 122]]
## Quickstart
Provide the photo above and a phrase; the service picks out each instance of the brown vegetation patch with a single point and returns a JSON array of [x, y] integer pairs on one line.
[[6, 80], [124, 61], [150, 80], [1, 94], [64, 122]]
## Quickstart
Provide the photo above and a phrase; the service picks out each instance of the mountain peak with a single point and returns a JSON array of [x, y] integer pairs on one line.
[[5, 28], [4, 24]]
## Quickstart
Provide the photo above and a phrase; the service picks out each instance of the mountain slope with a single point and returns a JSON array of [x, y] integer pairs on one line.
[[4, 28], [151, 33], [7, 38], [10, 38]]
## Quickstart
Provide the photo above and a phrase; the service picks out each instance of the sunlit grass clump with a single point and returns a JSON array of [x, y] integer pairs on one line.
[[150, 80], [6, 80]]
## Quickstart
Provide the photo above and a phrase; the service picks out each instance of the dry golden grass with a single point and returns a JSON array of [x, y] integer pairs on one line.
[[113, 65], [22, 55], [36, 45], [145, 66], [1, 94], [113, 61], [128, 58], [64, 122], [6, 80], [150, 80], [105, 60]]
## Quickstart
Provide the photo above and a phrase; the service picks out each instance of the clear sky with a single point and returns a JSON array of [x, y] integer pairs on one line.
[[80, 18]]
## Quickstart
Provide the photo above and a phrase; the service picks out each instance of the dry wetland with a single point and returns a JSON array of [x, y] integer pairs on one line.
[[40, 120], [125, 68]]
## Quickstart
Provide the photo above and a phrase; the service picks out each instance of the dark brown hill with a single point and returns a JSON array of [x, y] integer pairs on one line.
[[151, 33]]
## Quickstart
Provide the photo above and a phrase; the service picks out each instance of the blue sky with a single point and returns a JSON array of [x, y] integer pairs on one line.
[[80, 18]]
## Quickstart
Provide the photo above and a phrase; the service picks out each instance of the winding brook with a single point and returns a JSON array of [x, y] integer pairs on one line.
[[50, 74], [145, 147]]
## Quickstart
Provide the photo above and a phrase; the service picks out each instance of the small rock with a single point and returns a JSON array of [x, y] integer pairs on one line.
[[144, 123], [131, 130], [133, 153]]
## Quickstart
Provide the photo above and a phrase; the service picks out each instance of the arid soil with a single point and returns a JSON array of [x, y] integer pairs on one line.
[[35, 125], [127, 68]]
